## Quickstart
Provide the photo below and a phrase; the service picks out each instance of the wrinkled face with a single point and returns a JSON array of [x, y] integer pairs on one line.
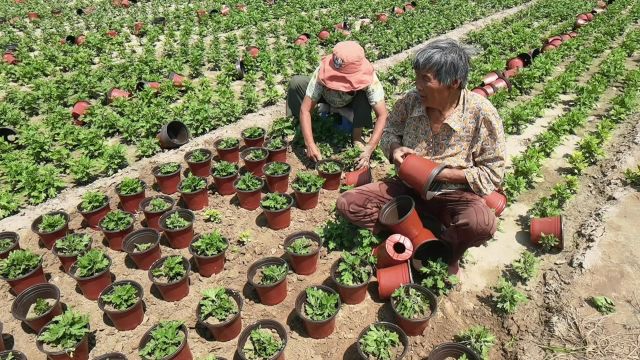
[[432, 92]]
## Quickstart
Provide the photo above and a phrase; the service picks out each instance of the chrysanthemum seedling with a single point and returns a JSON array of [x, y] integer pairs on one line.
[[478, 338], [603, 304], [507, 297], [526, 266]]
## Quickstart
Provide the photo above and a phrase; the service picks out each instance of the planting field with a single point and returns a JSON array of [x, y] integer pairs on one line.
[[85, 88]]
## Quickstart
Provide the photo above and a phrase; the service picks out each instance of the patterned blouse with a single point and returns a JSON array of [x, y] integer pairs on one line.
[[315, 90], [473, 138]]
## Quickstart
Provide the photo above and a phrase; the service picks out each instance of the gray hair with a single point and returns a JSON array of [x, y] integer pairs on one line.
[[447, 59]]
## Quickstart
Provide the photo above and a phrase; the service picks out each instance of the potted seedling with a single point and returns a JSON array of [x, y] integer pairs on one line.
[[219, 310], [199, 162], [303, 248], [168, 177], [453, 350], [122, 302], [170, 275], [80, 108], [69, 247], [51, 227], [22, 269], [269, 277], [318, 306], [351, 273], [277, 148], [94, 206], [131, 193], [331, 172], [307, 187], [9, 241], [166, 340], [37, 305], [354, 176], [224, 174], [91, 271], [66, 337], [143, 247], [228, 149], [253, 136], [413, 305], [277, 210], [254, 159], [154, 207], [550, 229], [392, 277], [248, 187], [12, 355], [263, 340], [435, 277], [277, 176], [208, 250], [382, 340], [399, 216], [178, 227], [194, 192], [419, 173], [115, 226]]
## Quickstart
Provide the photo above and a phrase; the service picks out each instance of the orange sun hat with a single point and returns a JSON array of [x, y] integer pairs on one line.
[[347, 69]]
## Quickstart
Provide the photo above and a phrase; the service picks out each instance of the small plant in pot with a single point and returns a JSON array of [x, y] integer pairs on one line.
[[94, 206], [307, 187], [168, 177], [115, 226], [199, 162], [12, 355], [65, 337], [51, 227], [170, 275], [178, 227], [122, 302], [318, 306], [228, 149], [37, 305], [330, 171], [131, 192], [269, 277], [303, 248], [219, 310], [253, 136], [277, 210], [69, 247], [154, 207], [208, 250], [413, 305], [91, 271], [22, 269], [224, 174], [277, 175], [351, 273], [9, 241], [435, 277], [248, 187], [264, 340], [277, 148], [352, 175], [143, 247], [194, 192], [382, 341], [166, 340], [254, 159]]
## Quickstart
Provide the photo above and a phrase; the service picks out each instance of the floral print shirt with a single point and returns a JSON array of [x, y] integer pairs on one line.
[[338, 99], [471, 138]]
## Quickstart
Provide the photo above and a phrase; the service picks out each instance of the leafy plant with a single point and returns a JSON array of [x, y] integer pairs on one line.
[[5, 244], [91, 263], [277, 168], [51, 223], [216, 303], [353, 269], [253, 132], [121, 297], [248, 182], [164, 341], [18, 263], [223, 169], [632, 176], [116, 220], [307, 182], [436, 277], [73, 244], [175, 221], [245, 237], [256, 154], [349, 158], [276, 144], [93, 200], [320, 304], [210, 244], [603, 304], [275, 201], [410, 303], [526, 266], [301, 246], [169, 168], [157, 204], [330, 167], [479, 339], [143, 247], [65, 331], [198, 156], [213, 215], [41, 307], [549, 242], [192, 183], [8, 356], [263, 344], [507, 297], [130, 186], [271, 274], [172, 269], [379, 342], [228, 143]]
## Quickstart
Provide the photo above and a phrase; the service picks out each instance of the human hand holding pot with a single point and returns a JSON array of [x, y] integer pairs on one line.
[[400, 153]]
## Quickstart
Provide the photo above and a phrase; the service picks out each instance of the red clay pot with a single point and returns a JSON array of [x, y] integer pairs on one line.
[[510, 73], [324, 35], [277, 183], [278, 155], [80, 108], [303, 264], [115, 238], [49, 238], [590, 16], [137, 28], [415, 327], [490, 90], [269, 294], [430, 248], [547, 226], [22, 303], [177, 80], [67, 260], [395, 250], [279, 219], [93, 218], [151, 217], [331, 180], [382, 17], [255, 167], [229, 329], [81, 351], [400, 216], [180, 238], [253, 51], [141, 85], [452, 351], [565, 37], [502, 83], [249, 200], [263, 324], [208, 265], [241, 7], [548, 47], [131, 203], [183, 352], [196, 200], [573, 34], [316, 329], [497, 201], [92, 286], [419, 173], [128, 319], [33, 16], [396, 10], [404, 340], [168, 183], [9, 58], [556, 42], [143, 259], [112, 34], [391, 278], [201, 169], [349, 294], [201, 13], [172, 291], [15, 238], [115, 93], [231, 155], [491, 77], [306, 200], [34, 277], [255, 142], [224, 185], [480, 91], [515, 63], [358, 177]]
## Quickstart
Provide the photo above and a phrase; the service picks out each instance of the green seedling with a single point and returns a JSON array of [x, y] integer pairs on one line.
[[192, 183], [121, 297], [307, 182], [526, 266], [275, 202], [603, 304], [65, 331], [93, 200], [263, 344], [632, 176], [175, 221], [301, 246], [276, 144], [169, 168], [223, 169], [320, 304], [51, 223], [379, 342], [507, 297], [549, 242], [353, 269], [272, 274], [228, 143], [249, 182], [19, 263], [218, 304], [245, 237], [73, 244], [116, 220], [165, 341], [91, 263], [5, 244], [436, 277], [256, 154], [410, 303], [330, 167], [130, 186], [277, 169], [213, 216], [198, 156], [479, 339], [157, 205], [41, 307], [253, 132], [172, 269], [143, 247], [210, 244]]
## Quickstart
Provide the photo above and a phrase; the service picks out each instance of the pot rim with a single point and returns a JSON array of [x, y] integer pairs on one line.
[[193, 252], [235, 295], [10, 235], [38, 220], [386, 208], [279, 210], [147, 200], [40, 346], [193, 192], [333, 273], [259, 189], [247, 150], [209, 157], [147, 334], [404, 340], [144, 188], [164, 217], [228, 176], [461, 348], [73, 268], [25, 292], [302, 297], [433, 302], [274, 325], [299, 234], [324, 161], [156, 170], [286, 145], [128, 239], [253, 269], [55, 252], [128, 228], [102, 304], [264, 168], [81, 211], [31, 272], [264, 133], [185, 263], [215, 144]]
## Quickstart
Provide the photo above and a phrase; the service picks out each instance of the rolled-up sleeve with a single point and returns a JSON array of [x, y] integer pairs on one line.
[[375, 91], [314, 89], [393, 131]]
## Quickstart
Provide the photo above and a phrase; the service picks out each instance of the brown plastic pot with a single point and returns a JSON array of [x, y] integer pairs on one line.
[[49, 238], [303, 264], [175, 290], [306, 200], [480, 91], [24, 301], [196, 200], [93, 218], [177, 79], [33, 277], [401, 217], [173, 135], [154, 217], [224, 185], [267, 325], [9, 58], [430, 249], [511, 73], [502, 83], [547, 226], [131, 203], [391, 278], [497, 201], [182, 353], [491, 77], [80, 351], [316, 329], [115, 238], [231, 155], [548, 47], [168, 184], [404, 340], [382, 17], [128, 319], [415, 327], [141, 85], [249, 200], [349, 294], [331, 180], [112, 34], [179, 238], [279, 219], [253, 142], [278, 155], [254, 166], [277, 183], [490, 90], [556, 42], [269, 294], [111, 356], [143, 259], [80, 108], [15, 354], [358, 177], [324, 35], [33, 16], [395, 250], [397, 10], [115, 93], [201, 169], [419, 173], [208, 265], [92, 286], [67, 260], [253, 51], [452, 351], [15, 238], [565, 37], [230, 328]]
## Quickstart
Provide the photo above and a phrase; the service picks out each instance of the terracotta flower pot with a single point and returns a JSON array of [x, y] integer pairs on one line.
[[279, 219], [382, 17], [176, 79], [143, 259], [306, 200], [267, 325], [141, 85], [391, 278], [32, 16], [491, 77], [114, 94], [92, 286], [316, 329], [548, 47], [497, 201], [277, 155], [168, 183], [80, 350], [196, 200], [400, 216], [547, 226], [179, 238], [93, 218], [253, 142], [419, 173], [9, 58], [131, 203], [565, 37], [231, 155], [15, 354], [304, 264], [430, 249], [254, 166], [80, 108], [277, 183], [249, 200], [49, 238], [112, 34], [556, 42], [202, 168], [490, 90], [24, 301], [253, 51], [511, 73], [502, 84], [208, 265], [33, 277], [331, 180], [269, 294], [404, 340], [452, 351], [415, 327], [480, 91], [182, 353], [115, 238], [224, 185], [175, 290], [67, 260], [395, 250], [349, 294], [173, 135], [397, 10], [229, 329], [128, 319], [153, 217], [358, 177], [324, 35], [15, 239]]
